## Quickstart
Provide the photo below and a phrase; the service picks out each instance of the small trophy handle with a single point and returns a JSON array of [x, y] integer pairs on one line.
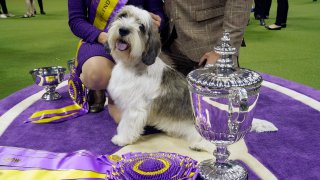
[[239, 96]]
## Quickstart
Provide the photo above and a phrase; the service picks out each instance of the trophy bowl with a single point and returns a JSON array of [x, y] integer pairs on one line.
[[49, 78], [223, 99]]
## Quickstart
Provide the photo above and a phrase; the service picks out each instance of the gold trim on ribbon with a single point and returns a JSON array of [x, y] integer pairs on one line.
[[49, 174], [72, 107], [47, 120]]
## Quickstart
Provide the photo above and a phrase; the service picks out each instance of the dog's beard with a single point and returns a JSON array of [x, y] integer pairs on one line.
[[128, 49]]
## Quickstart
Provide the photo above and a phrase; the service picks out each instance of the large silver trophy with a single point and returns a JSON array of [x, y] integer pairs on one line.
[[223, 99], [50, 78]]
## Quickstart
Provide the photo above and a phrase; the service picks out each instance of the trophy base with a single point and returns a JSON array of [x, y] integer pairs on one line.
[[210, 170], [51, 96]]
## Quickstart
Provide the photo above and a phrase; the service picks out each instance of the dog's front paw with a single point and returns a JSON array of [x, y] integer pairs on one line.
[[260, 125], [120, 140], [202, 145]]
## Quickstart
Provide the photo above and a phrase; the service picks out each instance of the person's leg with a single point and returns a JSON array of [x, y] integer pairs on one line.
[[173, 57], [114, 111], [27, 3], [285, 13], [280, 12], [268, 7], [30, 9], [4, 6], [281, 19], [257, 9], [41, 7], [96, 73]]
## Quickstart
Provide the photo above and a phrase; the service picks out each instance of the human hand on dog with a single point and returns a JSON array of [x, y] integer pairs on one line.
[[209, 58], [156, 19], [103, 38]]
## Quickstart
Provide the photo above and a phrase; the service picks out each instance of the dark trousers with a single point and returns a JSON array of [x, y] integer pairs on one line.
[[172, 56], [261, 8], [4, 6], [282, 12], [40, 5]]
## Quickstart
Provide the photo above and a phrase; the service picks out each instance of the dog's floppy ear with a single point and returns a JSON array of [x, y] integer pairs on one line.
[[152, 47]]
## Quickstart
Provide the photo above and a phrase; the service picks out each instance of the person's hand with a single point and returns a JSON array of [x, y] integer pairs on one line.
[[103, 38], [209, 58], [156, 19]]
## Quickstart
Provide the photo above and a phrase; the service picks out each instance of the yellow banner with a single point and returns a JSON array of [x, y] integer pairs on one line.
[[42, 174], [55, 111], [103, 12]]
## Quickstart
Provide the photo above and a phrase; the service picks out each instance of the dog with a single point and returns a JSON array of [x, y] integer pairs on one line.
[[143, 87]]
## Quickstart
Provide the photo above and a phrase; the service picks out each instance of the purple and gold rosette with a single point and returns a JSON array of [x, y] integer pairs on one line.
[[78, 92], [22, 163], [153, 166]]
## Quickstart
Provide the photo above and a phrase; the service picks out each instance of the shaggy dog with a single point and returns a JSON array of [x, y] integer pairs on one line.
[[147, 91]]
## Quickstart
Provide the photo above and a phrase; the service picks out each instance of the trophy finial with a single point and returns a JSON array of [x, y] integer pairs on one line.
[[225, 50]]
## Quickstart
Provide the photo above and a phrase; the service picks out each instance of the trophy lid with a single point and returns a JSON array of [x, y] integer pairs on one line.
[[218, 79]]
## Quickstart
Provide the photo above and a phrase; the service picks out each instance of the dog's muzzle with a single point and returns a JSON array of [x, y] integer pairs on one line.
[[121, 44]]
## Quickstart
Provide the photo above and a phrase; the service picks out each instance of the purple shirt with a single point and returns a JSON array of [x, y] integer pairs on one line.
[[81, 27]]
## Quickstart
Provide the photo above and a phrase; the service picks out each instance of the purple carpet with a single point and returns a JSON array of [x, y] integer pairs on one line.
[[291, 153]]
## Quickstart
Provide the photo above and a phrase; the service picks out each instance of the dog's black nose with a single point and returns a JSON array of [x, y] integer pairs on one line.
[[123, 31]]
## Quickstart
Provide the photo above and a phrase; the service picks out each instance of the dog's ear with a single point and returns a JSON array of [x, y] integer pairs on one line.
[[152, 47]]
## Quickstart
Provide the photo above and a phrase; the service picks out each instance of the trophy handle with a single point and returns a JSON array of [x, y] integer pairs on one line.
[[239, 97]]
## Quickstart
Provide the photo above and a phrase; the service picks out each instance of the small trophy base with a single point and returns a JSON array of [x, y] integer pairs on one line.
[[211, 170], [51, 96]]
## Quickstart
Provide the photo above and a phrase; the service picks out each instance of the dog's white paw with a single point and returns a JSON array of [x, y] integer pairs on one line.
[[202, 145], [259, 125], [120, 140]]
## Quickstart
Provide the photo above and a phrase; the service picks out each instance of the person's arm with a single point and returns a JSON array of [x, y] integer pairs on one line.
[[236, 17], [156, 8], [79, 24]]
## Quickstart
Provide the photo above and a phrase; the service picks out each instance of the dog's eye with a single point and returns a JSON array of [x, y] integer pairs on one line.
[[142, 28], [123, 15]]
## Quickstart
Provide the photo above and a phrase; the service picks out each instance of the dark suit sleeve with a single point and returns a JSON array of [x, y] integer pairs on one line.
[[156, 7], [236, 18]]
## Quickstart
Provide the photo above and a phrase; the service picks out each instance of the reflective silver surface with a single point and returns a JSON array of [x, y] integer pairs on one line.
[[223, 100], [49, 78], [209, 169], [71, 64]]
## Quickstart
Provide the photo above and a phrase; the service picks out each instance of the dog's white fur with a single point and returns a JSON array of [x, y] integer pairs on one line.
[[142, 86], [260, 125]]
